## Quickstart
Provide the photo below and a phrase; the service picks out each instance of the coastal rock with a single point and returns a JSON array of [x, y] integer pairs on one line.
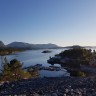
[[57, 86]]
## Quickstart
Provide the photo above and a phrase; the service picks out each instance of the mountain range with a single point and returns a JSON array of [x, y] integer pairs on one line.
[[35, 46], [29, 46], [2, 44]]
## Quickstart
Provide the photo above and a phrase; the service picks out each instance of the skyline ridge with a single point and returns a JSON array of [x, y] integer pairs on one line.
[[43, 44]]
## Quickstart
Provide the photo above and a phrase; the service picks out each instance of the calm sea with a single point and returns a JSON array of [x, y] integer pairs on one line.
[[33, 57]]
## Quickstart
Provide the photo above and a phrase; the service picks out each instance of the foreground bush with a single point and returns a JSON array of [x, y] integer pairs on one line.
[[77, 73], [13, 71]]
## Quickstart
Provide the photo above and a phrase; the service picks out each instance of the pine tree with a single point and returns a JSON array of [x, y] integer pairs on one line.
[[13, 71]]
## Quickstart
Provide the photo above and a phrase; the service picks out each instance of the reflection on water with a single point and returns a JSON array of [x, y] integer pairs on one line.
[[33, 57], [46, 73]]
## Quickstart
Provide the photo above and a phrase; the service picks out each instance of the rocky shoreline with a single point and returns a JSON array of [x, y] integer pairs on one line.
[[57, 86]]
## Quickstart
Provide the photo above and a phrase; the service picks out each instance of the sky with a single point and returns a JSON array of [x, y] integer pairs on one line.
[[61, 22]]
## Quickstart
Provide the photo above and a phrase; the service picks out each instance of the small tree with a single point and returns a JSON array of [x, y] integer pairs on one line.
[[13, 71]]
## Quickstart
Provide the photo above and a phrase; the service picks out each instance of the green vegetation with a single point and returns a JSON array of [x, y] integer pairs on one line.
[[76, 61], [7, 51], [13, 71], [34, 73], [77, 73], [77, 56], [74, 58]]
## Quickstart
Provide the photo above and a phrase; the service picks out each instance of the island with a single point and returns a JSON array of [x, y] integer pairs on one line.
[[76, 60], [46, 51], [10, 51]]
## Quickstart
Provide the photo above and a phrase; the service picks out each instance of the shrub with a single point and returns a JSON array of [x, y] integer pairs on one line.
[[77, 73]]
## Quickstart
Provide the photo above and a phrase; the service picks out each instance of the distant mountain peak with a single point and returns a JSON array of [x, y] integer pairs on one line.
[[2, 44]]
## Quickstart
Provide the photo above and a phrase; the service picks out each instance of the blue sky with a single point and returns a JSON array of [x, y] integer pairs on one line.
[[62, 22]]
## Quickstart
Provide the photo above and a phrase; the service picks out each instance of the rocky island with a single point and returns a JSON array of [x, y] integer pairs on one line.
[[75, 59], [46, 51]]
